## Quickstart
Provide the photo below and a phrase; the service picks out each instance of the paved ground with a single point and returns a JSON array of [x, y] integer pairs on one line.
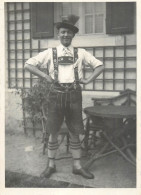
[[24, 156]]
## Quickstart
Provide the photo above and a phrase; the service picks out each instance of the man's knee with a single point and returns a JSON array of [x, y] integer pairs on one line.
[[74, 137], [53, 137]]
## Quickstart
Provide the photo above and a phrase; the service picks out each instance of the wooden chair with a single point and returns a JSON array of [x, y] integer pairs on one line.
[[127, 98]]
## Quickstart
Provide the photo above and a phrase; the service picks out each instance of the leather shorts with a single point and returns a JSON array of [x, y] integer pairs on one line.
[[65, 104]]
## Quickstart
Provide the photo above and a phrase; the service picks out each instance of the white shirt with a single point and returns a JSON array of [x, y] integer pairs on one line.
[[65, 72]]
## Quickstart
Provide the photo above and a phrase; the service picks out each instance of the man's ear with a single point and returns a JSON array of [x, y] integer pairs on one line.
[[57, 32]]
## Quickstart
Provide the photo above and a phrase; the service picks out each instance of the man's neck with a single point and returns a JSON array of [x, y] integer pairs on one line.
[[66, 46]]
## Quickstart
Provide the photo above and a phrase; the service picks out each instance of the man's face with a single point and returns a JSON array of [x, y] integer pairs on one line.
[[65, 36]]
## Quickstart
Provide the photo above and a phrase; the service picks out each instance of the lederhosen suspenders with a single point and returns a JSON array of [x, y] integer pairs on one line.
[[54, 51], [76, 68]]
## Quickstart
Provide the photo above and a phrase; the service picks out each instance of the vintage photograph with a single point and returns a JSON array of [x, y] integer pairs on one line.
[[70, 101]]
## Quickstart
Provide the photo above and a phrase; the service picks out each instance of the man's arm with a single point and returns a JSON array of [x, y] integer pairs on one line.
[[97, 71], [34, 70]]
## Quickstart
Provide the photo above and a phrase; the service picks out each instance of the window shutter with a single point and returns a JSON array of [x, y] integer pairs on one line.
[[42, 20], [119, 17]]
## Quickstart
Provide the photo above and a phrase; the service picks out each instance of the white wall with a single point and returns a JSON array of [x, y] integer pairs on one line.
[[13, 112], [93, 41]]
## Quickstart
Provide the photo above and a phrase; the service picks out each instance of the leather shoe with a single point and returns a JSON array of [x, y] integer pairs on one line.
[[48, 172], [84, 173]]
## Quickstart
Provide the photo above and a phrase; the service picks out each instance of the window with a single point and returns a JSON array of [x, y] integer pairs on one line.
[[92, 16], [95, 17]]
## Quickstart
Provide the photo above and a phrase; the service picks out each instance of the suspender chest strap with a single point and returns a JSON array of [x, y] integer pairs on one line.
[[76, 68], [55, 62]]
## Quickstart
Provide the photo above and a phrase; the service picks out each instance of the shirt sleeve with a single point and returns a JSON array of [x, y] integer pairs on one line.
[[90, 60], [41, 60]]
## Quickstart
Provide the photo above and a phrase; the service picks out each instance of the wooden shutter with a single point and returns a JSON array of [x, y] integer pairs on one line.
[[42, 20], [120, 17]]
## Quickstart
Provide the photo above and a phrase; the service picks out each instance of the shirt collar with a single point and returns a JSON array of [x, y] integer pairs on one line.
[[61, 47]]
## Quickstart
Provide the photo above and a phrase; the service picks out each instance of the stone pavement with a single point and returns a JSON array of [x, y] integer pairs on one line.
[[14, 180], [24, 155]]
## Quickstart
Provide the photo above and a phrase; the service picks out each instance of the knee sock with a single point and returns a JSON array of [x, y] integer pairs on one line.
[[76, 153], [52, 149]]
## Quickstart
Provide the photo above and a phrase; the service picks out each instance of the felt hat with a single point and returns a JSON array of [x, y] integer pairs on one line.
[[68, 22]]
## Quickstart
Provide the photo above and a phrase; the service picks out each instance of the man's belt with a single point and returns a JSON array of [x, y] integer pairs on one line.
[[64, 87]]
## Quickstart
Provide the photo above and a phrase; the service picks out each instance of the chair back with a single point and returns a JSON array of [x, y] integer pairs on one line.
[[126, 98]]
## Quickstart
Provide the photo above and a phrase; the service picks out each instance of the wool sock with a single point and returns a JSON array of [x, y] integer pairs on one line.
[[52, 149], [75, 148]]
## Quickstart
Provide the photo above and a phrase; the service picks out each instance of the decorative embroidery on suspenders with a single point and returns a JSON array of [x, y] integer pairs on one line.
[[54, 51], [55, 62], [65, 60], [76, 82]]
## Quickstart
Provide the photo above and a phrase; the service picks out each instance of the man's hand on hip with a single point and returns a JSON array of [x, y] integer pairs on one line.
[[48, 79], [97, 71]]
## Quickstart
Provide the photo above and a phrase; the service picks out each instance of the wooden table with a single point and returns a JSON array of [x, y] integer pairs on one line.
[[115, 115]]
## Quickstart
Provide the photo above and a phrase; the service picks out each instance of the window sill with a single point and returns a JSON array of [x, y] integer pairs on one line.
[[93, 40], [92, 34]]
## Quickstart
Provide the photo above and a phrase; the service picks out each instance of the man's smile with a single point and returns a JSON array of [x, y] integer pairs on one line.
[[65, 35], [66, 39]]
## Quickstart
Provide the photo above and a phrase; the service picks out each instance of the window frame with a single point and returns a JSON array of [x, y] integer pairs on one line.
[[94, 13], [81, 13]]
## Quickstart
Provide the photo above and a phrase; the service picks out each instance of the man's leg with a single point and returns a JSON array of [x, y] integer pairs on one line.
[[75, 147], [55, 118], [52, 149]]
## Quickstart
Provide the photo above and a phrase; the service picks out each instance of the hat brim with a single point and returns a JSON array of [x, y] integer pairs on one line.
[[66, 25]]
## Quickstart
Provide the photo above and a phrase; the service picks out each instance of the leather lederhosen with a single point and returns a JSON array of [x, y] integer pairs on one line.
[[65, 101]]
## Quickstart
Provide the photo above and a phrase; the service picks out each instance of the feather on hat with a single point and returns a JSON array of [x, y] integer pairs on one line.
[[68, 22]]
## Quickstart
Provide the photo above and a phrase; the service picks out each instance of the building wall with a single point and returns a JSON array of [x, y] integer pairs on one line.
[[14, 113]]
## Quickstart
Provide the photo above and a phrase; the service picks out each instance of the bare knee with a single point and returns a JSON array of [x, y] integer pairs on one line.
[[53, 137], [74, 137]]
